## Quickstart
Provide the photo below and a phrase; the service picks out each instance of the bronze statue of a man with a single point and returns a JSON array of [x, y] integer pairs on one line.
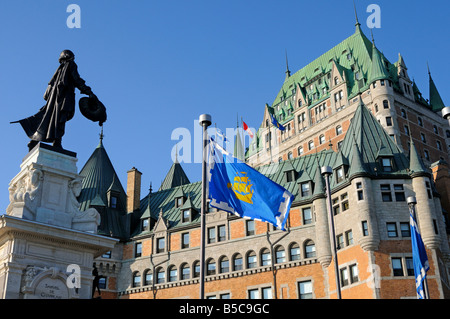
[[48, 125]]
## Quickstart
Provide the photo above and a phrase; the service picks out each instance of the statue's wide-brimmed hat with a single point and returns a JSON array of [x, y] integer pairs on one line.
[[93, 109]]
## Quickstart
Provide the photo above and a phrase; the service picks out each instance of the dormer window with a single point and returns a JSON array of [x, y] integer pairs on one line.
[[186, 218], [113, 202], [386, 164], [179, 202], [305, 189], [290, 176], [340, 174], [145, 224]]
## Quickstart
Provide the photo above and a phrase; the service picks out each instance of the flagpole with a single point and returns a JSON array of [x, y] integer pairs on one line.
[[412, 209], [326, 172], [204, 121]]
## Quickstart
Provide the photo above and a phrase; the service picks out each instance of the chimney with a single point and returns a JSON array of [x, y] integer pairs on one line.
[[133, 189]]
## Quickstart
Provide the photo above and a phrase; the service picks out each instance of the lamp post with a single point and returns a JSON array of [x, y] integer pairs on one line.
[[204, 121], [326, 171], [446, 113], [411, 201]]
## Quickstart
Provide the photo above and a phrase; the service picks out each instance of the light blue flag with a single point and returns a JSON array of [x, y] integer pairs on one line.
[[237, 188], [420, 259]]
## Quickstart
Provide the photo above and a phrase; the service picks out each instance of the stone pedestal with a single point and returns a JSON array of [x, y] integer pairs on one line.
[[47, 245]]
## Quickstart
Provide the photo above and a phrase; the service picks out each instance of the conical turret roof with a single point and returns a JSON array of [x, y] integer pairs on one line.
[[99, 178]]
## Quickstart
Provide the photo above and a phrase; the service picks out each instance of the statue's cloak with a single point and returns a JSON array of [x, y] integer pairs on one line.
[[49, 123]]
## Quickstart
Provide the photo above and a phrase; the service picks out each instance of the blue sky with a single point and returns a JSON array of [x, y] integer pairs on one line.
[[158, 65]]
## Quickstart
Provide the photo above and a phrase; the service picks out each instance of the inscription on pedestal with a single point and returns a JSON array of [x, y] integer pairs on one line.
[[51, 289]]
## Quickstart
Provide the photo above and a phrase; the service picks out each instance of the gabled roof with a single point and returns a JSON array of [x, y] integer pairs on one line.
[[357, 47], [164, 201]]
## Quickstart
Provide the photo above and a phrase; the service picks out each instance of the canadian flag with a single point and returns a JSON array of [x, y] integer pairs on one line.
[[247, 129]]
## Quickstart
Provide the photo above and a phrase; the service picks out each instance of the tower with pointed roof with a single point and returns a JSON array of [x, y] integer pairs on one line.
[[101, 189]]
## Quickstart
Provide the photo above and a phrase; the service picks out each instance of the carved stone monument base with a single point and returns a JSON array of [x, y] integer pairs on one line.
[[47, 245]]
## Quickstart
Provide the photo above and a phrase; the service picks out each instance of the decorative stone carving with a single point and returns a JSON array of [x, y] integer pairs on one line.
[[46, 283], [25, 191], [46, 190]]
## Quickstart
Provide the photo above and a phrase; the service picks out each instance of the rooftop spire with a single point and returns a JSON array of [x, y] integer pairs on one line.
[[435, 98], [288, 72], [357, 24], [100, 144]]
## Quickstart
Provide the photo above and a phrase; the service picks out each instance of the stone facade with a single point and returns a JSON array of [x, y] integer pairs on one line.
[[47, 245]]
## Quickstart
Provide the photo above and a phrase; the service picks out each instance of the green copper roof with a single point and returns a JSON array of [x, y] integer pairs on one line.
[[99, 178], [164, 200], [378, 70], [416, 165], [352, 55], [359, 152], [435, 98], [371, 138], [175, 177]]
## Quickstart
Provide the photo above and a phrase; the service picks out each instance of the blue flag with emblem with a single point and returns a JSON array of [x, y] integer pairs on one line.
[[420, 259], [275, 122], [238, 188]]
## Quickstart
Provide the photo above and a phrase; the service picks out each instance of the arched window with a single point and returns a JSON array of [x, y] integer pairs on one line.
[[173, 273], [185, 271], [300, 150], [211, 267], [136, 279], [224, 265], [310, 145], [290, 155], [336, 80], [338, 130], [237, 262], [160, 276], [251, 259], [294, 252], [310, 249], [148, 277], [322, 139], [265, 257], [280, 254], [196, 269]]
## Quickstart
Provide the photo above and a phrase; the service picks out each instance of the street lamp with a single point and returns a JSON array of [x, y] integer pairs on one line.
[[204, 121], [446, 113], [326, 172]]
